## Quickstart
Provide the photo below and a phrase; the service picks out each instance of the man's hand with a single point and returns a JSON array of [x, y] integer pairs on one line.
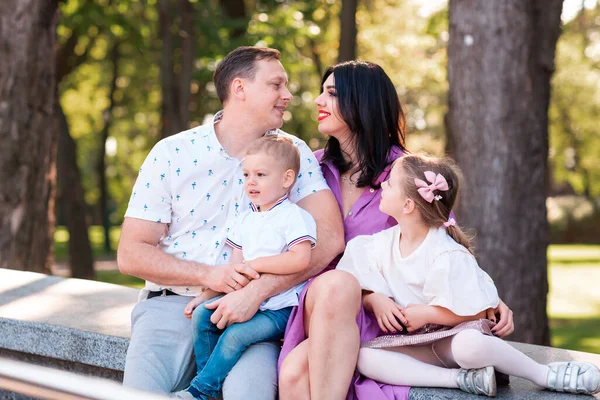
[[386, 310], [230, 277], [237, 306], [417, 315], [506, 324]]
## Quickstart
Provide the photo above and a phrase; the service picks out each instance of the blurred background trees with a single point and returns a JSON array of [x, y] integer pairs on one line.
[[28, 151], [131, 72]]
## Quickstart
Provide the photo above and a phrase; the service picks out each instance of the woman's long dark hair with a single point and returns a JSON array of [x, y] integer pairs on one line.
[[369, 104]]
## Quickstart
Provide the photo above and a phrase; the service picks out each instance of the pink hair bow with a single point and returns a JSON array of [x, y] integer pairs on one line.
[[451, 222], [438, 182]]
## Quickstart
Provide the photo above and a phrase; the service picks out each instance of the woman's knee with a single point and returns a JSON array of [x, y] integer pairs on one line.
[[292, 375], [469, 348], [337, 290]]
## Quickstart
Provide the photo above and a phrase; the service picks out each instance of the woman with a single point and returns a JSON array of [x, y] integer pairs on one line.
[[360, 111]]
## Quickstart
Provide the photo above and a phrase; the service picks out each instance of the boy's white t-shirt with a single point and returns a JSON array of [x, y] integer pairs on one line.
[[440, 272], [272, 232]]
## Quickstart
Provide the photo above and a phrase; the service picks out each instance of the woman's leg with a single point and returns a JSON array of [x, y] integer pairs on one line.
[[293, 376], [331, 306]]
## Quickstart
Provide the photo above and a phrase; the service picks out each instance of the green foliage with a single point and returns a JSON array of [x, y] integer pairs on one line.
[[411, 48], [408, 44], [115, 277], [96, 234], [575, 106]]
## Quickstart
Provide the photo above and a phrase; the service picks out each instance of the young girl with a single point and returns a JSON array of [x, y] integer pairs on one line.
[[430, 278]]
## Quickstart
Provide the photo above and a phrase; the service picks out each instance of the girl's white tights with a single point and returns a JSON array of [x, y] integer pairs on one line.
[[437, 365]]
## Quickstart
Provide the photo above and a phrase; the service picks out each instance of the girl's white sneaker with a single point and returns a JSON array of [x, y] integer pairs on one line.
[[574, 377], [477, 381]]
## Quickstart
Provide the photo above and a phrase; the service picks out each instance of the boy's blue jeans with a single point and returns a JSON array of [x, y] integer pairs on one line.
[[217, 350]]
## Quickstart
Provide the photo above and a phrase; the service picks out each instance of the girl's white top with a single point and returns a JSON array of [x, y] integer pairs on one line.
[[440, 272]]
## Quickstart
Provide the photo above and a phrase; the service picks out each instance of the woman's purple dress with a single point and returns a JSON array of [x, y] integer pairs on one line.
[[364, 218]]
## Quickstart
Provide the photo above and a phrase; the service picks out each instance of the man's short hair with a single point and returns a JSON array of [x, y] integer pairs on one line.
[[281, 148], [240, 63]]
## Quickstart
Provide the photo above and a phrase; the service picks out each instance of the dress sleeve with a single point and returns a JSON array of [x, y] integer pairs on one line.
[[360, 259], [455, 281], [151, 196], [300, 227]]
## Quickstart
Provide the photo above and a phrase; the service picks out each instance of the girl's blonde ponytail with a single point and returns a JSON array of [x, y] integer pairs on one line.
[[461, 237]]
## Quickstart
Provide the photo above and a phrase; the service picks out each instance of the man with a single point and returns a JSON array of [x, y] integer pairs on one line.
[[186, 197]]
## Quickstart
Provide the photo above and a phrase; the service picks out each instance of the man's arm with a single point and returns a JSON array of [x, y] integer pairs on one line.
[[243, 304], [139, 256]]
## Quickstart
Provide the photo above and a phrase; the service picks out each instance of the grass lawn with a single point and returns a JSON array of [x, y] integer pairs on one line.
[[573, 274], [574, 300]]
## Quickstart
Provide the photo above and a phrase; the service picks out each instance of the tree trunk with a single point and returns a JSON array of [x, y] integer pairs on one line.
[[28, 132], [70, 193], [500, 60], [187, 39], [348, 30], [170, 122], [70, 190], [177, 63], [235, 10], [101, 166]]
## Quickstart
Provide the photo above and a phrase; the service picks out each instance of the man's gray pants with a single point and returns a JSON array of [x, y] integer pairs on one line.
[[160, 357]]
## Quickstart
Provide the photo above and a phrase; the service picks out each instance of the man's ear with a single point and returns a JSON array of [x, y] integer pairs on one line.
[[288, 178], [409, 206], [237, 88]]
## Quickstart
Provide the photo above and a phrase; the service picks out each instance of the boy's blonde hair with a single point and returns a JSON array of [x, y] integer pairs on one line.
[[279, 147], [436, 212]]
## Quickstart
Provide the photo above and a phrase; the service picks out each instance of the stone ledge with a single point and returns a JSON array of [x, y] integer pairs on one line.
[[84, 326], [70, 324], [63, 343]]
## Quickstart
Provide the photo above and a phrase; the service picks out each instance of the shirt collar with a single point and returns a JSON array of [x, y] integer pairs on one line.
[[256, 208], [219, 116]]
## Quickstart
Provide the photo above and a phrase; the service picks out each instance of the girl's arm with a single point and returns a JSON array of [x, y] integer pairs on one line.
[[294, 260], [388, 313], [421, 314]]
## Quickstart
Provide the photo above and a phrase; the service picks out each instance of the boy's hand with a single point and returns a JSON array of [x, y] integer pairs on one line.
[[417, 316], [388, 313], [196, 301], [230, 277]]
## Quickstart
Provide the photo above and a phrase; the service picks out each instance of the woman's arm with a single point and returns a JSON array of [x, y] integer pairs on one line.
[[294, 260]]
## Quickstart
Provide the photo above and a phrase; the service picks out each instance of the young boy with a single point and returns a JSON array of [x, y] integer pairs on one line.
[[275, 236]]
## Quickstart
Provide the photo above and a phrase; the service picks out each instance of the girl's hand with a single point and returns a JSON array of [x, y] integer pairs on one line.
[[506, 324], [388, 313], [417, 315], [196, 301]]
